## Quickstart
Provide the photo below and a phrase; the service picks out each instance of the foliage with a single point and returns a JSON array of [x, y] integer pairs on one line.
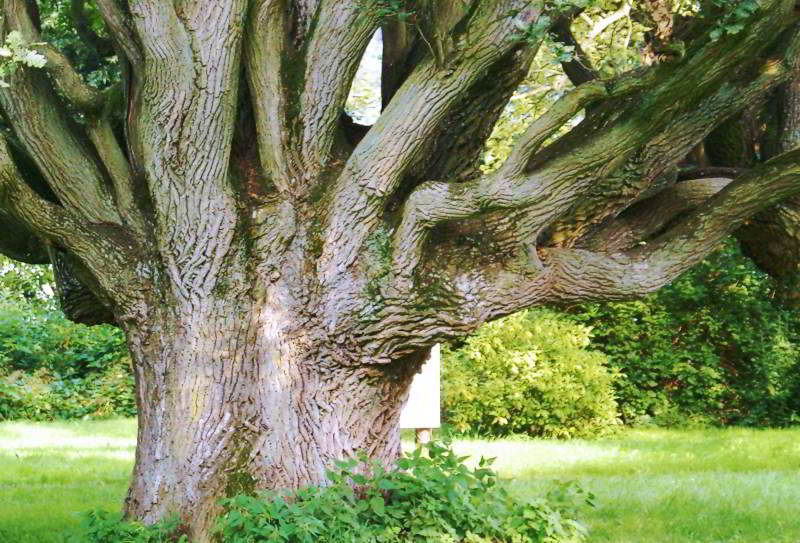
[[31, 339], [712, 347], [735, 14], [59, 29], [104, 527], [425, 498], [51, 368], [15, 53], [529, 373], [26, 285], [45, 396]]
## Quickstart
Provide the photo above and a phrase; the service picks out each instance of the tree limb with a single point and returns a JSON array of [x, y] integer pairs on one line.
[[120, 28], [377, 166], [181, 126], [346, 27], [40, 123], [106, 253], [266, 53], [550, 189], [103, 46], [643, 219], [71, 84], [579, 70], [494, 288]]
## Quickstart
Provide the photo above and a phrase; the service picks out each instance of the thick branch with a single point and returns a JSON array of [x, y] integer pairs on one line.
[[181, 128], [265, 56], [40, 123], [645, 218], [412, 118], [84, 29], [652, 166], [546, 125], [508, 187], [68, 80], [346, 28], [575, 275], [105, 251]]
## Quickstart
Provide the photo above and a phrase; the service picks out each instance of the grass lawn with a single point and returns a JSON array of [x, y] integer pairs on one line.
[[652, 486]]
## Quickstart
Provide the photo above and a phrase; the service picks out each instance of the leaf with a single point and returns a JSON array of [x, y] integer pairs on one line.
[[377, 504], [34, 59]]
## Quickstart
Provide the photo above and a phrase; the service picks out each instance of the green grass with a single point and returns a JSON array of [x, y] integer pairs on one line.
[[50, 473], [669, 486], [652, 486]]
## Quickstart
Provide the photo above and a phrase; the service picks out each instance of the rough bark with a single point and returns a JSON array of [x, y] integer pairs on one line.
[[280, 282], [236, 396]]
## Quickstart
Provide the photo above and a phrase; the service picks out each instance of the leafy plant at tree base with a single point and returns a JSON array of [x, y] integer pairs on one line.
[[431, 495], [104, 527], [530, 373]]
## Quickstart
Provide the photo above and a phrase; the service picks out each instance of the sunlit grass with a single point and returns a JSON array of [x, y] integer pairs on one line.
[[660, 486], [51, 473], [654, 486]]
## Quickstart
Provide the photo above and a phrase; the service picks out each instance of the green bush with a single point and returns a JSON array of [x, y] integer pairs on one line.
[[33, 338], [51, 368], [47, 396], [529, 373], [713, 347], [433, 498]]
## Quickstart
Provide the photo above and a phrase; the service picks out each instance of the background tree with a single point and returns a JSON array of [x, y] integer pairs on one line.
[[280, 272]]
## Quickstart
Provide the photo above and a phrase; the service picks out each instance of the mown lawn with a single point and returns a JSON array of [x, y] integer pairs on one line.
[[652, 486]]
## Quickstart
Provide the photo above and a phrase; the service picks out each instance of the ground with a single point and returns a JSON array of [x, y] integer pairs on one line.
[[652, 486]]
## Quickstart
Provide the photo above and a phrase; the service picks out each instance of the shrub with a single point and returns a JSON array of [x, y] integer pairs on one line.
[[713, 347], [32, 338], [433, 498], [51, 368], [528, 373], [44, 395], [104, 527]]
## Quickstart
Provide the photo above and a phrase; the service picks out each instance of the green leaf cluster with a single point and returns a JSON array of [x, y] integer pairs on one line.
[[530, 373], [15, 53], [46, 396], [105, 527], [429, 495]]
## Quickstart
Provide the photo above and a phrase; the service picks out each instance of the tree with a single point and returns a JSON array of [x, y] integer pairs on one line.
[[280, 272]]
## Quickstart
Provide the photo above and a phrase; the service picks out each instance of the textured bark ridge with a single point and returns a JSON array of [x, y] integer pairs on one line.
[[281, 275]]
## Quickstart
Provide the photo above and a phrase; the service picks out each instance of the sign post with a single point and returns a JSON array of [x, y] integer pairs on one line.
[[422, 412]]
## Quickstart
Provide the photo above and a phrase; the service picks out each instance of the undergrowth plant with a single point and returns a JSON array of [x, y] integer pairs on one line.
[[429, 495]]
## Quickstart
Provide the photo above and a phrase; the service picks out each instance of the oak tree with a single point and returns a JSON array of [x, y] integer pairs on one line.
[[281, 272]]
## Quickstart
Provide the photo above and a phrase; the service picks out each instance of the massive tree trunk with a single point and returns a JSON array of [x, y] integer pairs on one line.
[[236, 394], [280, 278]]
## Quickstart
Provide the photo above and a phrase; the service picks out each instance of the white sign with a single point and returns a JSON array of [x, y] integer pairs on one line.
[[422, 409]]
